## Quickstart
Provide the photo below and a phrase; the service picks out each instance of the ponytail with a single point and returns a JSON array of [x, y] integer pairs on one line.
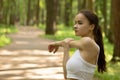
[[99, 40]]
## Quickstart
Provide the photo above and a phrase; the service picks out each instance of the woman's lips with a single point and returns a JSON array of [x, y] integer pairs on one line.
[[75, 31]]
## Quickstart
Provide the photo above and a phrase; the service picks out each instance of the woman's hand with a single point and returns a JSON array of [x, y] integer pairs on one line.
[[52, 47]]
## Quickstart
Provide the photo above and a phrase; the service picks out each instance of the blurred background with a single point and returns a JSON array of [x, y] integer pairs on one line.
[[56, 19]]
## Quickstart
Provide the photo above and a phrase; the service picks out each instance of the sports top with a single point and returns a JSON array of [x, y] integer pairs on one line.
[[78, 68]]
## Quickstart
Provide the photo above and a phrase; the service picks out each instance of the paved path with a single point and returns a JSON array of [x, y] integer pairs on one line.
[[27, 58]]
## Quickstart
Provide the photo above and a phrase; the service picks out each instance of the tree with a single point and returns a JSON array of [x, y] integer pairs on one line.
[[106, 29], [28, 12], [1, 11], [68, 12], [6, 11], [104, 12], [81, 4], [85, 4], [51, 6], [89, 4], [37, 11], [42, 11], [12, 16], [115, 23]]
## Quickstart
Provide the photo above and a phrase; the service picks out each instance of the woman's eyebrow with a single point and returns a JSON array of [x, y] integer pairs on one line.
[[78, 21]]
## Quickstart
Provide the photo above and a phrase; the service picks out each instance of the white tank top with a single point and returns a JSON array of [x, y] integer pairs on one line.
[[78, 68]]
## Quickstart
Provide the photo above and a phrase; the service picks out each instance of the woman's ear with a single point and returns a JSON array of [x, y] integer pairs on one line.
[[92, 26]]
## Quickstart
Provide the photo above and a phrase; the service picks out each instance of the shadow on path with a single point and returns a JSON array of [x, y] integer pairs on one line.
[[27, 58]]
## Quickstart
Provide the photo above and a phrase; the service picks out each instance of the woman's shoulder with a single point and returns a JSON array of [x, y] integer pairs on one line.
[[87, 40], [83, 43], [89, 43]]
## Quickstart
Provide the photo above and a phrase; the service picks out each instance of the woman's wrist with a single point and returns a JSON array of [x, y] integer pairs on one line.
[[63, 43], [58, 43]]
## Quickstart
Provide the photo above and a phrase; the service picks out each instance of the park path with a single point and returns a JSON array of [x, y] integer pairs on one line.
[[27, 58]]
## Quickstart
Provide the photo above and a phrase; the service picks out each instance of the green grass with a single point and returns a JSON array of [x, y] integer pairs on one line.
[[6, 29], [4, 40], [112, 73], [113, 69]]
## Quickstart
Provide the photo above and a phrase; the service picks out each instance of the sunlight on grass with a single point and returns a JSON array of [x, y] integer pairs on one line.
[[108, 49], [112, 73], [6, 29], [4, 40]]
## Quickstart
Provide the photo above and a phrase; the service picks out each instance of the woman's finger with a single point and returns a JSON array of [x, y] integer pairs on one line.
[[56, 49]]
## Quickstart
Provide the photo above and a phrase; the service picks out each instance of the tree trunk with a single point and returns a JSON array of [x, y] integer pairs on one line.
[[28, 12], [37, 12], [104, 11], [1, 11], [12, 12], [51, 6], [58, 12], [106, 28], [61, 11], [115, 23], [81, 4], [12, 19], [42, 19], [68, 12], [89, 5]]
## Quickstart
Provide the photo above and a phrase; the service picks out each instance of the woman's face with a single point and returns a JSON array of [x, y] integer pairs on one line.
[[82, 25]]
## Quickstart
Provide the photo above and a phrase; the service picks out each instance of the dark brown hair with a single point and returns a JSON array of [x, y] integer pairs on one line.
[[93, 19]]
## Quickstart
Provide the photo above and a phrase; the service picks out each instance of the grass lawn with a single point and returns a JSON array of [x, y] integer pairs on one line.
[[113, 70]]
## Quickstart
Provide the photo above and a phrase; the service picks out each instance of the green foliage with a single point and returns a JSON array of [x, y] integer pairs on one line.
[[6, 29], [112, 73], [108, 49], [4, 40], [41, 27], [42, 4]]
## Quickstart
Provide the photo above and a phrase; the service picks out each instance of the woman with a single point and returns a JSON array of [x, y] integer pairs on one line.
[[89, 49]]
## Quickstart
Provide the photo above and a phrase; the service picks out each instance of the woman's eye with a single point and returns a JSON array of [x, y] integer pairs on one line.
[[79, 22]]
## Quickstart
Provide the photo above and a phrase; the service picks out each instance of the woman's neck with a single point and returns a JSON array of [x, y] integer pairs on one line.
[[90, 36]]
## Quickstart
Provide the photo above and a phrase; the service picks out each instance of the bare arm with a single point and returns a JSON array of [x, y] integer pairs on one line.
[[53, 48], [65, 59], [79, 44], [65, 45], [72, 43]]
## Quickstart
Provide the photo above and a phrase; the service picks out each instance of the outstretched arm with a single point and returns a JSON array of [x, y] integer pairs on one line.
[[79, 44], [65, 59], [53, 47]]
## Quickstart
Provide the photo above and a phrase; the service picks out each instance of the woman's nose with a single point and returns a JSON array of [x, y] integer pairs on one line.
[[75, 27]]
